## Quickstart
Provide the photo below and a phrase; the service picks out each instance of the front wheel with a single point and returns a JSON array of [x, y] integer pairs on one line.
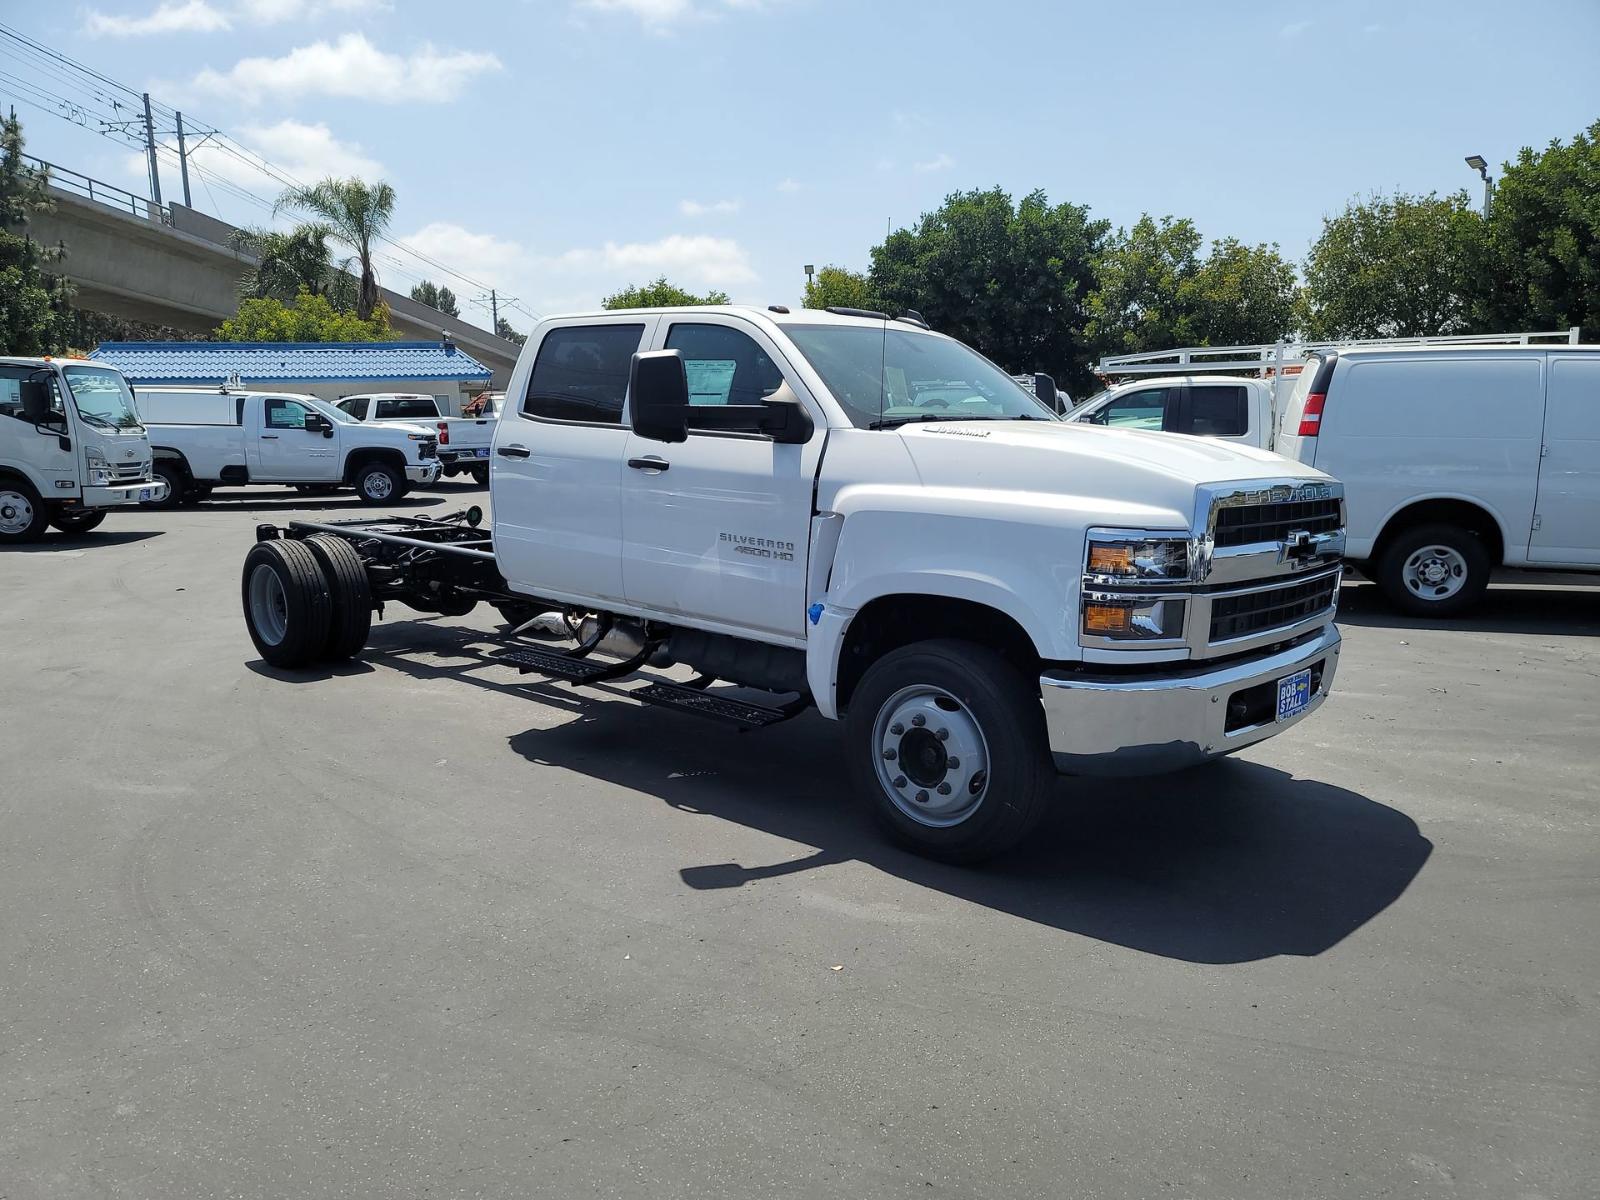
[[77, 520], [379, 483], [22, 516], [480, 474], [947, 745], [1434, 570], [177, 481]]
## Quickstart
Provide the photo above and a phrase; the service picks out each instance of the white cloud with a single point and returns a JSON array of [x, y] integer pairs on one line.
[[789, 185], [276, 12], [351, 67], [480, 255], [714, 208], [193, 16], [659, 15], [692, 258], [939, 162]]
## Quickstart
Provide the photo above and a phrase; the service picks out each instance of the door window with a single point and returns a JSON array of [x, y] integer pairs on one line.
[[1143, 409], [11, 391], [1217, 411], [581, 373], [286, 414], [723, 366], [355, 409]]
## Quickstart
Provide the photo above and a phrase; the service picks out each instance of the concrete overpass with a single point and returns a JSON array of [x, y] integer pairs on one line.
[[175, 266]]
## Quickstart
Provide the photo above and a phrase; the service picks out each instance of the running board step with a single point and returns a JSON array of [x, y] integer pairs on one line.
[[554, 663], [719, 708]]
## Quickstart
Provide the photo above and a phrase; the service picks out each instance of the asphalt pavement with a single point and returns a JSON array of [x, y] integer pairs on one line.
[[416, 927]]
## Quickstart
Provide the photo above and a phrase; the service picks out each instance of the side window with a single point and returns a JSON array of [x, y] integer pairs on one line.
[[353, 408], [724, 366], [383, 409], [11, 391], [286, 414], [1216, 411], [412, 407], [581, 373], [1143, 409]]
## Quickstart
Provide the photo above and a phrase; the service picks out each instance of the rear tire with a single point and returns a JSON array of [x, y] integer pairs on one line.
[[946, 743], [352, 596], [287, 603], [379, 483], [177, 480], [480, 475], [22, 516], [77, 520], [1434, 570]]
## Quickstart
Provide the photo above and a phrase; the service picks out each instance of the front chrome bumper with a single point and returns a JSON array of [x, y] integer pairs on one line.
[[428, 473], [1151, 723], [122, 494]]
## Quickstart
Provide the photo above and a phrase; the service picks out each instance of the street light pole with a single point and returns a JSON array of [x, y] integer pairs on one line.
[[1481, 166]]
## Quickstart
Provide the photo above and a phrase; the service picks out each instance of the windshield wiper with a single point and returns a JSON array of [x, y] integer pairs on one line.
[[97, 420], [893, 422]]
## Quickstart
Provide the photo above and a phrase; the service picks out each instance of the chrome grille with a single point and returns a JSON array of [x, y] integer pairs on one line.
[[131, 472], [1274, 607], [1249, 524]]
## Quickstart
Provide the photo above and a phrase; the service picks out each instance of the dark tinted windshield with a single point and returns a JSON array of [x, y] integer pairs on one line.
[[886, 378]]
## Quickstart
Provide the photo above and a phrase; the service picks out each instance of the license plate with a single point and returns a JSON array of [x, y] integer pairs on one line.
[[484, 453], [1294, 694], [146, 493]]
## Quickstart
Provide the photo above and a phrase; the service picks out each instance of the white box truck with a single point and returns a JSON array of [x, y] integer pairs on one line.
[[72, 447]]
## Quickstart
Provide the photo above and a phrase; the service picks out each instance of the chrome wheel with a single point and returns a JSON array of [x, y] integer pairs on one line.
[[269, 607], [932, 758], [377, 485], [16, 513], [1434, 572]]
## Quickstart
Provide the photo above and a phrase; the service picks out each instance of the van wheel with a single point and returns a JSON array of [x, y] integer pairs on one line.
[[177, 480], [77, 520], [352, 596], [1434, 570], [22, 516], [287, 603], [379, 483], [946, 744]]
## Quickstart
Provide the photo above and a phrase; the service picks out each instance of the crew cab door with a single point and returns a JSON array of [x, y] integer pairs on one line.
[[558, 462], [1568, 510], [283, 450], [717, 527]]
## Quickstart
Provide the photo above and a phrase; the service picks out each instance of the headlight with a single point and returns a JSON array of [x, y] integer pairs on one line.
[[1135, 558], [94, 457], [100, 477], [1127, 618]]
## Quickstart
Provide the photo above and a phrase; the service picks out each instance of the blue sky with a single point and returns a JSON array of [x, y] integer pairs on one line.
[[557, 149]]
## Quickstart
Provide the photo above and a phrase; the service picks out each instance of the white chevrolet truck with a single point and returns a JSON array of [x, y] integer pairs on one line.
[[464, 442], [856, 514], [71, 447]]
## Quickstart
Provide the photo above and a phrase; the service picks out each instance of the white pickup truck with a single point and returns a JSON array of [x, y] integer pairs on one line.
[[208, 438], [1218, 406], [71, 447], [868, 518], [463, 441]]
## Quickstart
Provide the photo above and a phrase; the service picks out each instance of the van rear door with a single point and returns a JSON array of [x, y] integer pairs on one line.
[[1568, 526]]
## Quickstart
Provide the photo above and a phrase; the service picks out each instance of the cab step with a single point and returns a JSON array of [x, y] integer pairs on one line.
[[555, 664], [718, 708]]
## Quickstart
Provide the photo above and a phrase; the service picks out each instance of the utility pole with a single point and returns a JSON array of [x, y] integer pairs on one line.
[[494, 309], [183, 164], [150, 151]]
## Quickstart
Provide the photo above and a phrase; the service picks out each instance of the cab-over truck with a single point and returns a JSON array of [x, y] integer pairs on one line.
[[860, 515]]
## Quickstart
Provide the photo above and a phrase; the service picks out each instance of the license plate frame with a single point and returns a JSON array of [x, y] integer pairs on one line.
[[145, 494], [483, 453], [1294, 695]]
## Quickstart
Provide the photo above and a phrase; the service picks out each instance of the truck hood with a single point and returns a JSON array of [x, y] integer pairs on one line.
[[1151, 470]]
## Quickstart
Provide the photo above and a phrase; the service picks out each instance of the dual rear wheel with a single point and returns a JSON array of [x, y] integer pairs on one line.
[[306, 602]]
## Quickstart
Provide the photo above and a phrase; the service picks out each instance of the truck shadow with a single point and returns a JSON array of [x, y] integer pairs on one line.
[[53, 541], [1569, 611], [293, 503], [1231, 862]]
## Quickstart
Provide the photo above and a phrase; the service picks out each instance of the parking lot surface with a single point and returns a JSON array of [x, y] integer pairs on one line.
[[416, 927]]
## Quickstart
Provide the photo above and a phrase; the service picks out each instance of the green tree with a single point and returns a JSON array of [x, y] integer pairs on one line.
[[1544, 231], [429, 293], [289, 260], [840, 287], [35, 312], [1011, 279], [502, 329], [1241, 295], [658, 293], [1397, 266], [309, 318], [358, 214], [1137, 302]]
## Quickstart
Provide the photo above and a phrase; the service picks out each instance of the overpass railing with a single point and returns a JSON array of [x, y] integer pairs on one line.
[[97, 190]]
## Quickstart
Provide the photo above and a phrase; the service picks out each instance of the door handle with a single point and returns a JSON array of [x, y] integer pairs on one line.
[[269, 437], [651, 463], [513, 451]]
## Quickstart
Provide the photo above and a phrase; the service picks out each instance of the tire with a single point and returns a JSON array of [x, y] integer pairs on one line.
[[480, 474], [1434, 570], [22, 516], [77, 520], [288, 605], [352, 597], [999, 791], [379, 483], [177, 483]]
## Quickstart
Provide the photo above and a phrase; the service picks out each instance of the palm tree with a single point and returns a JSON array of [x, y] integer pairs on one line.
[[357, 214], [288, 261]]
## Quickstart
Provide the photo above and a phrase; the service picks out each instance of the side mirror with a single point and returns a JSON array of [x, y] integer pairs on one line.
[[658, 396], [317, 423], [35, 397], [1044, 387], [786, 420]]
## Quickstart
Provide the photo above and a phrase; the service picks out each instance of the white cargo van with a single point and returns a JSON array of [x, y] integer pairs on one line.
[[1456, 460]]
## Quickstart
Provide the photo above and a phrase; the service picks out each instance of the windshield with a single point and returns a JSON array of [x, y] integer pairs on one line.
[[102, 398], [885, 378]]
